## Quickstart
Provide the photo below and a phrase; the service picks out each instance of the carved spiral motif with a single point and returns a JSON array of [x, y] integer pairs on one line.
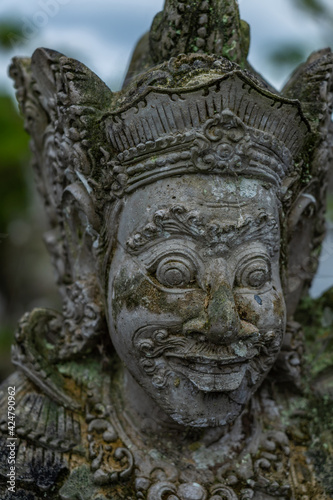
[[222, 492], [255, 274], [168, 491], [226, 125], [173, 272], [165, 490]]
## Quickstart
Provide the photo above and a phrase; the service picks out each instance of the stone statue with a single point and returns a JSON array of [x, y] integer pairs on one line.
[[186, 216]]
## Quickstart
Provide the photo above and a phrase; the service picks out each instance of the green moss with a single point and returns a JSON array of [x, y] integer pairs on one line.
[[80, 484], [195, 446], [228, 49], [81, 371], [125, 289]]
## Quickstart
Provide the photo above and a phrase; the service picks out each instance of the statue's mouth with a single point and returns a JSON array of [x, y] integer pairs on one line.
[[210, 361], [210, 367], [210, 375], [208, 356]]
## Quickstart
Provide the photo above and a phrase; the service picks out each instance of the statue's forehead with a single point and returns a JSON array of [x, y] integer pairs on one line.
[[227, 200]]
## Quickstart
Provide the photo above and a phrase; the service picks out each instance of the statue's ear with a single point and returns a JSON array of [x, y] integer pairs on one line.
[[305, 232], [312, 85], [81, 226]]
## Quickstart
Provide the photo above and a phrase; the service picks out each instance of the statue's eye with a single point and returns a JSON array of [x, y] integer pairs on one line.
[[175, 271], [254, 274]]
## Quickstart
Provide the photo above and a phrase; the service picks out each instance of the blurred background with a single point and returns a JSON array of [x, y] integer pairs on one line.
[[102, 34]]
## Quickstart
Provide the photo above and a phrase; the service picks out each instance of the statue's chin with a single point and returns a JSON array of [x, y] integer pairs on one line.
[[201, 399]]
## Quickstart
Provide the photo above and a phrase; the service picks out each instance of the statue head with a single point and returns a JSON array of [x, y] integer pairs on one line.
[[186, 211]]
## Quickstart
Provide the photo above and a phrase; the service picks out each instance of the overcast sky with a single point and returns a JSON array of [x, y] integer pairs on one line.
[[102, 33]]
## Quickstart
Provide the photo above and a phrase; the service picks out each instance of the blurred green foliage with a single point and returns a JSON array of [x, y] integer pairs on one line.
[[316, 316], [13, 145], [14, 203], [13, 152], [9, 30], [315, 7], [289, 55], [14, 195]]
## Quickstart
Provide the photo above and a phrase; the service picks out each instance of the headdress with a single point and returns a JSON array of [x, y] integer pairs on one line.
[[223, 121], [191, 104]]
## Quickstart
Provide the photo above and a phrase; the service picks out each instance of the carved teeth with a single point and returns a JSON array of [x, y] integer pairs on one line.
[[209, 366], [222, 379], [209, 353], [207, 361]]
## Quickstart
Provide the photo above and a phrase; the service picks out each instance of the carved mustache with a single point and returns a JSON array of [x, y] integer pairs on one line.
[[155, 341]]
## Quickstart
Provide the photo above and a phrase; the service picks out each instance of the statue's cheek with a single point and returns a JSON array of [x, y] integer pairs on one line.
[[132, 291], [264, 310]]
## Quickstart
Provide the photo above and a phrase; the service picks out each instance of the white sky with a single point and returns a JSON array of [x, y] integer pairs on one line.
[[102, 33]]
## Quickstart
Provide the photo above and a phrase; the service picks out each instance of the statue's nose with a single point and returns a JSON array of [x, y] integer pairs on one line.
[[219, 322]]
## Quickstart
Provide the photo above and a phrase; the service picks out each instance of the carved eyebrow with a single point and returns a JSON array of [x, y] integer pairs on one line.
[[179, 221]]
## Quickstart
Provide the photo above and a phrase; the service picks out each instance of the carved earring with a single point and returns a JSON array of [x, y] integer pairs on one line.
[[83, 307], [289, 363], [84, 319]]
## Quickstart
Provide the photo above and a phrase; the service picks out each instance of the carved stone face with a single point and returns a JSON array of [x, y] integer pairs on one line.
[[195, 305]]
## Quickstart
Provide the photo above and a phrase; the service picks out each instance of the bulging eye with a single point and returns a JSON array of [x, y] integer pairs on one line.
[[254, 274], [175, 271]]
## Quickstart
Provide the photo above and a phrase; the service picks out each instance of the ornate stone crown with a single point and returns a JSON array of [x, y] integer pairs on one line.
[[213, 125]]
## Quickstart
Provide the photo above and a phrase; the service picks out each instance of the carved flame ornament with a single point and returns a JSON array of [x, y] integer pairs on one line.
[[186, 215]]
